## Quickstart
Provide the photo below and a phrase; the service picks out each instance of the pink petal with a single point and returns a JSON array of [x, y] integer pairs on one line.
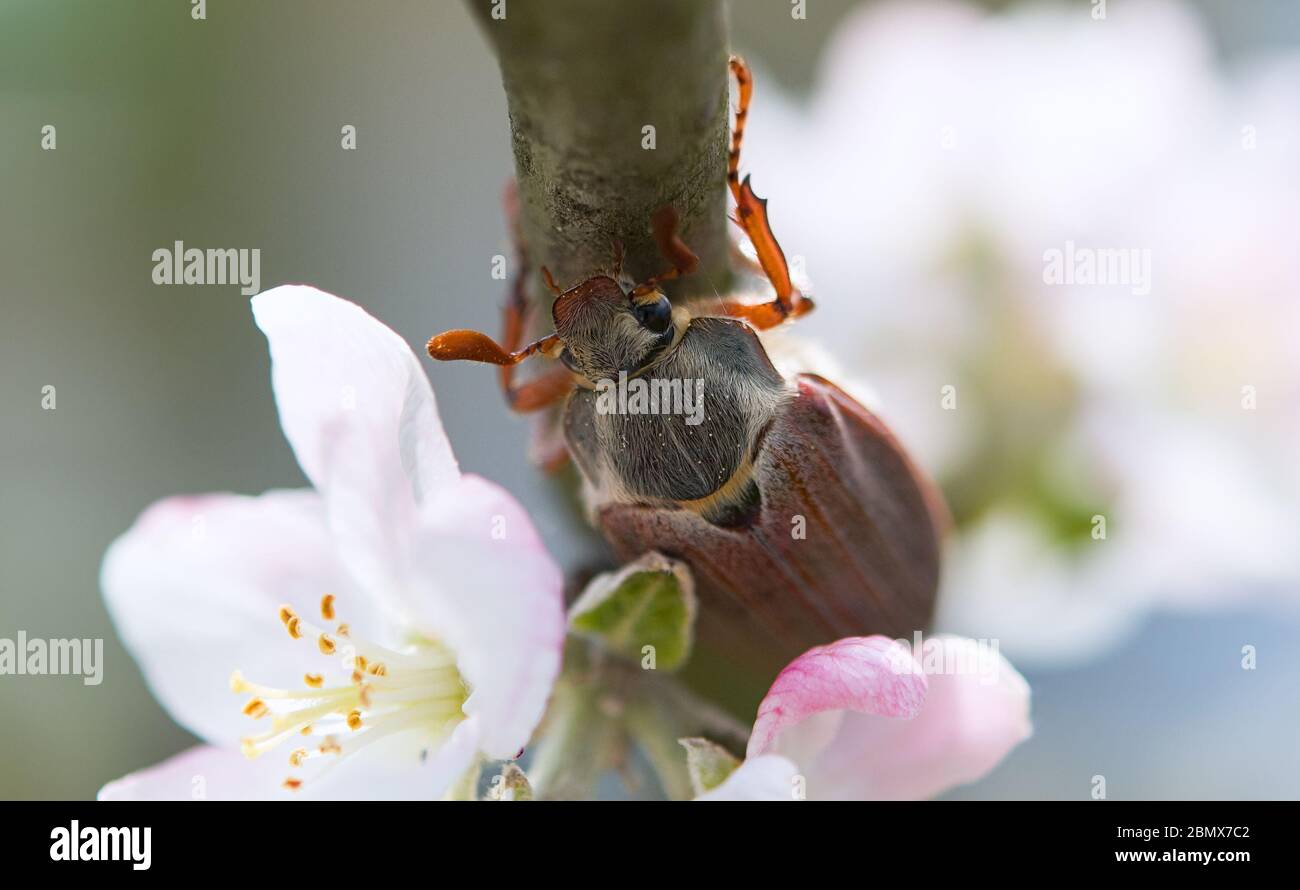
[[194, 588], [969, 723], [870, 675], [487, 586]]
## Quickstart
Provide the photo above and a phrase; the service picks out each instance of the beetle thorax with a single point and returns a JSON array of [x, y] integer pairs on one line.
[[663, 456]]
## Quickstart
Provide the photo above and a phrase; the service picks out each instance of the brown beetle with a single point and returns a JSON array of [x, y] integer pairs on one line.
[[729, 493]]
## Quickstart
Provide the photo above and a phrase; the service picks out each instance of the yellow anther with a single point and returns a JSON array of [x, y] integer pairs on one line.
[[418, 694]]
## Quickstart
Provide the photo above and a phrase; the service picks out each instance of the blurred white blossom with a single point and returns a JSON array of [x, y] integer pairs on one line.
[[946, 151]]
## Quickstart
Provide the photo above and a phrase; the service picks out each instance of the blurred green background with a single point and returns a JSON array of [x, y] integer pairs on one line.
[[225, 133]]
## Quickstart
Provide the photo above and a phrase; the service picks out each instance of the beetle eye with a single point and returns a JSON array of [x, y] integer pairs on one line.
[[656, 316]]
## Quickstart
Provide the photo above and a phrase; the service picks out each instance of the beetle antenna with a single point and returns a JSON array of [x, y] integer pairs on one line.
[[475, 346]]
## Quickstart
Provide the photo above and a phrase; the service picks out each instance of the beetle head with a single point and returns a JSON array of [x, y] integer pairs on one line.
[[606, 329]]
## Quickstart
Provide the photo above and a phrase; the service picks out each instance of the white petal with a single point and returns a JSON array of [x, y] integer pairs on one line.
[[485, 584], [766, 777], [210, 773], [399, 767], [335, 366], [194, 589], [358, 410], [453, 757], [203, 773]]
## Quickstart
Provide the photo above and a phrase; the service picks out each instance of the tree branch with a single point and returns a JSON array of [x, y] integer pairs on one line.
[[583, 78]]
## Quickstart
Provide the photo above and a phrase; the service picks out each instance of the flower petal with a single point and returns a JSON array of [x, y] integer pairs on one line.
[[399, 767], [976, 710], [210, 773], [194, 588], [871, 675], [486, 586], [203, 772], [336, 367], [766, 777], [361, 417]]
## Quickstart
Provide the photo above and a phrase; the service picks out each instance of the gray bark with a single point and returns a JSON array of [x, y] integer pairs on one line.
[[583, 78]]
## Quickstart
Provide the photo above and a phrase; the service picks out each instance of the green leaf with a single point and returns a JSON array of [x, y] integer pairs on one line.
[[708, 763], [645, 612]]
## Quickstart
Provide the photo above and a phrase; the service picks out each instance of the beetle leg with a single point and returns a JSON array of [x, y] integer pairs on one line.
[[684, 261], [545, 389], [760, 316], [751, 215], [542, 391]]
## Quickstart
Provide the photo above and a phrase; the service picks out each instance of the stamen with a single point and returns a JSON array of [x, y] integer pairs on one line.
[[418, 689]]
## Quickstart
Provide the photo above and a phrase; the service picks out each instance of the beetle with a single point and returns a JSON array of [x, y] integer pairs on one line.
[[800, 515]]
